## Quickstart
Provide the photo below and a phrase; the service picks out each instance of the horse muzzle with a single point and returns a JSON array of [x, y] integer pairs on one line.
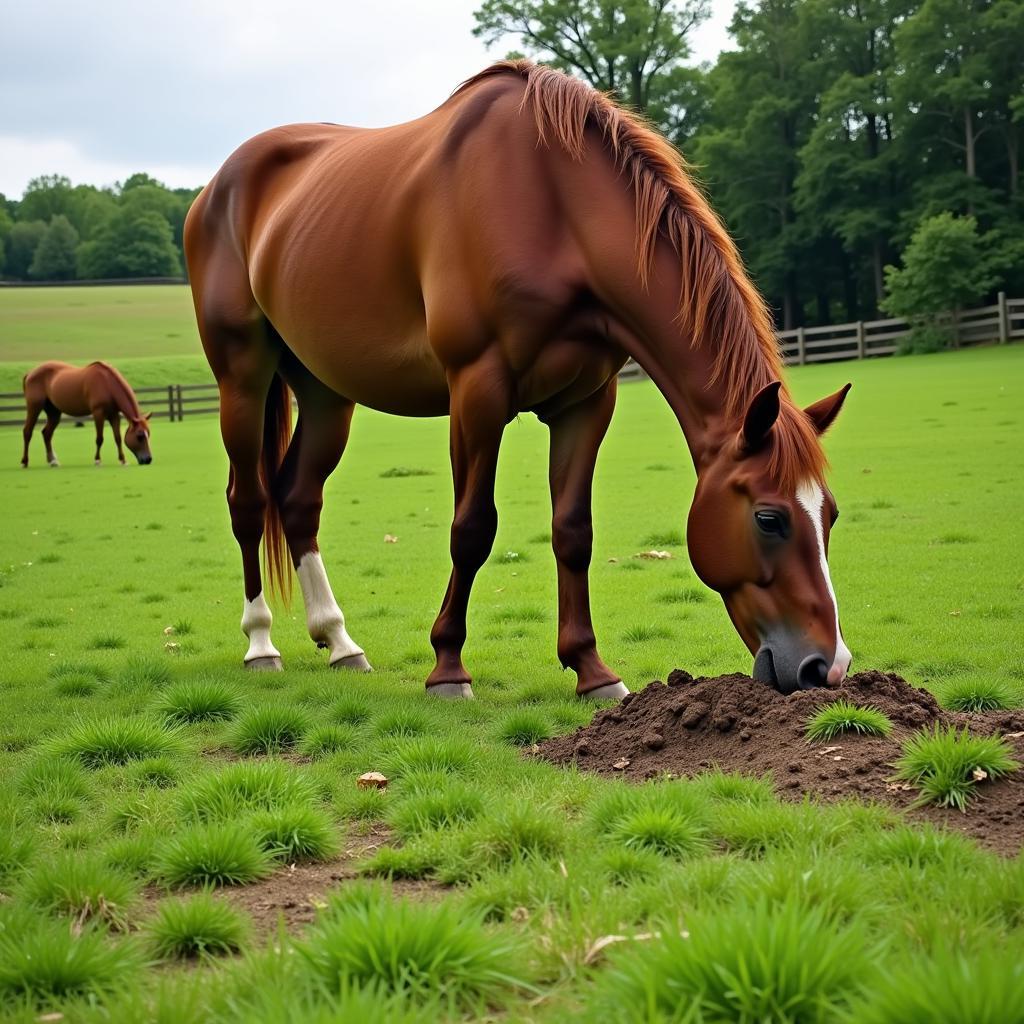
[[781, 668], [144, 460]]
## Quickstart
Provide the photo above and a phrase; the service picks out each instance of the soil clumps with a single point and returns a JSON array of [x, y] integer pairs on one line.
[[737, 724]]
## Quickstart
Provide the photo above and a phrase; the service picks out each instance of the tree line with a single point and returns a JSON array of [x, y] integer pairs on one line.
[[856, 149], [63, 232]]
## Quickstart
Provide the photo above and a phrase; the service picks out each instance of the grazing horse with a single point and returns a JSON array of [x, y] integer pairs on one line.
[[505, 253], [96, 390]]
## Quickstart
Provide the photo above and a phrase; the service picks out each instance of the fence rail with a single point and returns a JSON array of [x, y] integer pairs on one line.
[[864, 339]]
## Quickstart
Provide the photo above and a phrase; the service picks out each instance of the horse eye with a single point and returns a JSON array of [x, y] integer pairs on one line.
[[772, 524]]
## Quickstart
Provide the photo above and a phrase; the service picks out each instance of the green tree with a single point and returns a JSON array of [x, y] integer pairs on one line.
[[54, 258], [633, 49], [761, 112], [135, 243], [850, 178], [946, 268], [21, 247]]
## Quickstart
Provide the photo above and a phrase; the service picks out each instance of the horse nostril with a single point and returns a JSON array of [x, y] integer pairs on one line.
[[813, 671]]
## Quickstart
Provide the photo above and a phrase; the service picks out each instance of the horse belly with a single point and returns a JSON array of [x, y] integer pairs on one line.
[[66, 391]]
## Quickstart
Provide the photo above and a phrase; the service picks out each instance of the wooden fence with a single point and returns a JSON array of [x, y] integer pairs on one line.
[[865, 339]]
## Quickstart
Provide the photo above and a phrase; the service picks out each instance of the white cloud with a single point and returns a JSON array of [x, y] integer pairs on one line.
[[98, 92]]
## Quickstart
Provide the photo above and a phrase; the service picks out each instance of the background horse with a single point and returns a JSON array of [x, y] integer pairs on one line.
[[96, 390], [505, 253]]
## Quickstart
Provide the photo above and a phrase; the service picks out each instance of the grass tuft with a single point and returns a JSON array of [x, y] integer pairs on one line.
[[81, 887], [102, 741], [296, 833], [196, 926], [974, 695], [746, 964], [524, 727], [223, 853], [448, 804], [447, 754], [244, 787], [199, 701], [947, 764], [269, 729], [42, 960], [663, 830], [422, 951], [323, 740], [841, 716]]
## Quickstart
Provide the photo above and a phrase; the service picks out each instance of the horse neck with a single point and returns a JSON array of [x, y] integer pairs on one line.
[[681, 367], [121, 394]]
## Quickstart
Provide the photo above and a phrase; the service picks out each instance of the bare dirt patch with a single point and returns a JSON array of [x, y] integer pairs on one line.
[[296, 891], [738, 724]]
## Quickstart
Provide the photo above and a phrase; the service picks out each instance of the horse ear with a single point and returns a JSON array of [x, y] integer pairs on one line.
[[822, 413], [761, 415], [148, 414]]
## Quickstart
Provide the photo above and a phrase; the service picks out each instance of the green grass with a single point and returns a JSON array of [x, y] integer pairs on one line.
[[841, 716], [555, 859], [367, 939], [268, 729], [195, 926], [209, 855], [296, 833], [82, 888], [978, 695], [948, 765]]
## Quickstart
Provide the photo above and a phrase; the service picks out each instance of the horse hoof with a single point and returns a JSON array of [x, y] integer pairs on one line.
[[354, 663], [54, 464], [451, 691], [271, 664], [610, 691], [97, 463]]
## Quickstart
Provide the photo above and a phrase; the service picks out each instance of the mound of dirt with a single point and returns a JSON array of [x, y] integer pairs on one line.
[[738, 724]]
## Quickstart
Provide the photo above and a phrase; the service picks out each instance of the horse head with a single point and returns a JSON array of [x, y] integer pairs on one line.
[[137, 439], [758, 533]]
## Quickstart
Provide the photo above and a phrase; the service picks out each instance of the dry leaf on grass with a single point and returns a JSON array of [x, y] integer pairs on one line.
[[372, 780], [654, 555], [390, 538], [623, 762], [598, 946], [979, 775]]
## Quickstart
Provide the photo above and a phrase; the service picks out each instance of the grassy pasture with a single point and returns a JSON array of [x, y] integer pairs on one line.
[[148, 331], [127, 767]]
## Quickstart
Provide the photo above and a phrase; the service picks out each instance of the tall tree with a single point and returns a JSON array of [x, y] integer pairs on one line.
[[22, 241], [633, 49], [135, 243], [850, 178], [54, 258], [761, 112]]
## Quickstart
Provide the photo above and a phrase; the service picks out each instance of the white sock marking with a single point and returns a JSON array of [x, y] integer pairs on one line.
[[812, 499], [256, 623], [324, 618]]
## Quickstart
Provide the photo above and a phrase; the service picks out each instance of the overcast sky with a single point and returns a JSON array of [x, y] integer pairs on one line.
[[98, 91]]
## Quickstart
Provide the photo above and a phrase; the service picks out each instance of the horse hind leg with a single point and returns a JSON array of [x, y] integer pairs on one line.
[[32, 415], [53, 415], [315, 450]]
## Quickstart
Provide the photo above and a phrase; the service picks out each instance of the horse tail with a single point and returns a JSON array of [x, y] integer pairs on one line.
[[277, 432]]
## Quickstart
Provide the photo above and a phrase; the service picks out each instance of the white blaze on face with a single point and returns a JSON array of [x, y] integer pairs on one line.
[[324, 618], [812, 500]]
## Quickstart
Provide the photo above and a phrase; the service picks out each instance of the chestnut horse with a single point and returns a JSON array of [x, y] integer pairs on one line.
[[505, 253], [96, 390]]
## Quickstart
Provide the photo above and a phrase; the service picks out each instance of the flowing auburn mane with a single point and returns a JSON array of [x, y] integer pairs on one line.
[[718, 304]]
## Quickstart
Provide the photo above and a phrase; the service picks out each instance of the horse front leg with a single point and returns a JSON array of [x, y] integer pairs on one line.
[[115, 427], [576, 436], [315, 450], [99, 419], [480, 408]]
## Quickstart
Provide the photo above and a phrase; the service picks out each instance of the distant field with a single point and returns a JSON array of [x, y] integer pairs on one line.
[[149, 331]]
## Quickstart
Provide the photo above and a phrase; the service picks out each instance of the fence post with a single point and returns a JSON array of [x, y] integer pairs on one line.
[[860, 339], [170, 402], [181, 405], [1004, 320], [801, 347]]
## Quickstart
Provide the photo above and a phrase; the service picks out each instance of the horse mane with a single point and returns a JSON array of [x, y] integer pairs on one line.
[[121, 387], [718, 304]]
